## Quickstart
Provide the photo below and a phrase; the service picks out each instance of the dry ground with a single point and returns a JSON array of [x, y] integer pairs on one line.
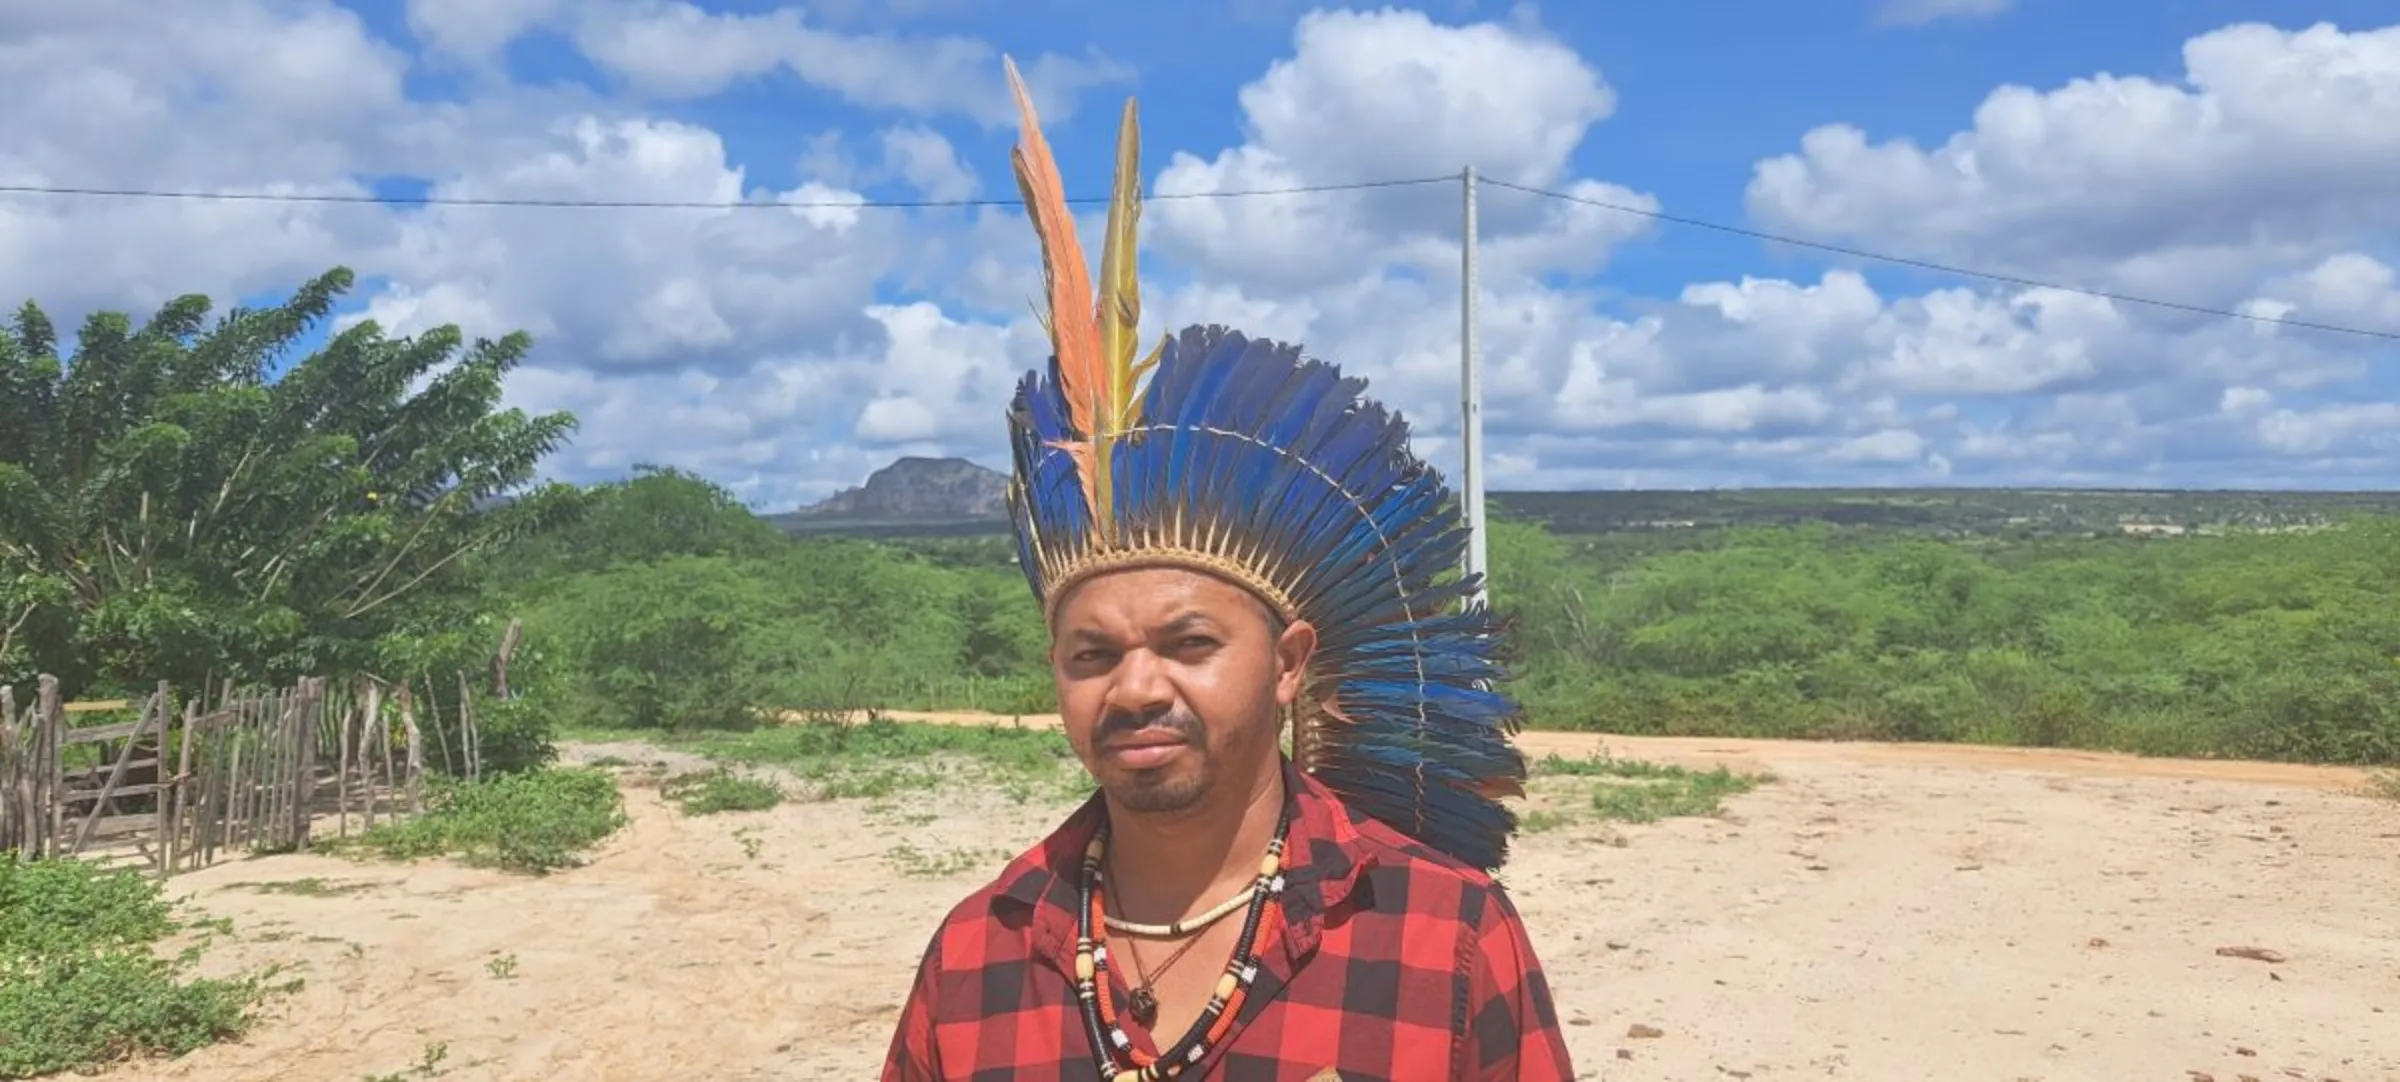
[[1876, 913]]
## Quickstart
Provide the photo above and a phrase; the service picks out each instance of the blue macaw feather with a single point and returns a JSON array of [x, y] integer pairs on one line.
[[1248, 451]]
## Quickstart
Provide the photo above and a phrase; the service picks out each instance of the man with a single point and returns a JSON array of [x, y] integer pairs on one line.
[[1242, 541]]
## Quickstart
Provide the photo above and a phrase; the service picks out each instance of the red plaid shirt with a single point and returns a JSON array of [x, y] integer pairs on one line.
[[1393, 962]]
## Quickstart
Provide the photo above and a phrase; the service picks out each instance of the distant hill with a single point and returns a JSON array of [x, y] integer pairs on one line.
[[955, 497], [913, 495]]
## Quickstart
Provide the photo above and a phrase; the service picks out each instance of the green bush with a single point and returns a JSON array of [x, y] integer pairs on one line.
[[535, 822], [2279, 646], [720, 790], [81, 981]]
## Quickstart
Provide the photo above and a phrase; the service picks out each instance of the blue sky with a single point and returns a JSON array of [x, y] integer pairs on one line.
[[2211, 152]]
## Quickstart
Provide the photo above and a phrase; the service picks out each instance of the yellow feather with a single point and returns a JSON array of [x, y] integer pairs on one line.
[[1120, 301]]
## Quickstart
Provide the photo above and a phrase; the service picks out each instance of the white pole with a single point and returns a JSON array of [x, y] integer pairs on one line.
[[1471, 397]]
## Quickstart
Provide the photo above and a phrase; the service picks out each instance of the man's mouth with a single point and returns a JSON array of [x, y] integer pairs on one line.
[[1144, 750]]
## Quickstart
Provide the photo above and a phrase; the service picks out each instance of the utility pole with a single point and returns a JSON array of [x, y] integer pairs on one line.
[[1470, 397]]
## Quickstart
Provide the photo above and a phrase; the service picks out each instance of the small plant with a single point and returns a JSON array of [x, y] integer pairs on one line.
[[721, 790], [502, 967], [428, 1065], [536, 822], [1639, 791], [750, 842], [915, 863], [311, 887], [1543, 820], [81, 982], [1670, 793]]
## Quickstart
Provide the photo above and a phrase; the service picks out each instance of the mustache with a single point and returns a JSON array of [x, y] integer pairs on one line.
[[1183, 724]]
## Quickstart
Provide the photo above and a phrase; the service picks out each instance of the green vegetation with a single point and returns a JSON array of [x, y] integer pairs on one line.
[[721, 790], [1990, 514], [878, 758], [1635, 791], [669, 606], [171, 508], [535, 822], [82, 979], [2262, 645], [428, 1065]]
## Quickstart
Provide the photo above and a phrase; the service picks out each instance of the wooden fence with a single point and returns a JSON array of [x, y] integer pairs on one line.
[[175, 789]]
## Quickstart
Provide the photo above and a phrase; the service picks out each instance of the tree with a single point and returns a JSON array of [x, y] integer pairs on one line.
[[172, 507], [659, 513]]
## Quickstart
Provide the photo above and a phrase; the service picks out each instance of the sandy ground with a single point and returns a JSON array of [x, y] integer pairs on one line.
[[1877, 912]]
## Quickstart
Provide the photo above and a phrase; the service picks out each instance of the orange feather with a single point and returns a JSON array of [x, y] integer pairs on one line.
[[1074, 328]]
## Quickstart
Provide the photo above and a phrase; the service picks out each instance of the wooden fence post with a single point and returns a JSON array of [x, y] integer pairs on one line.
[[180, 811], [304, 796], [13, 801], [51, 780], [416, 752]]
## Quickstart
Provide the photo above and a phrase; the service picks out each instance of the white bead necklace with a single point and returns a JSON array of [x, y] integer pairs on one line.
[[1180, 928]]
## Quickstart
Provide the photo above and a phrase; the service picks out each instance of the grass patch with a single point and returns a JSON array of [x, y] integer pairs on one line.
[[2384, 785], [880, 758], [916, 863], [311, 887], [82, 983], [1672, 796], [1639, 791], [535, 822], [428, 1065], [720, 790]]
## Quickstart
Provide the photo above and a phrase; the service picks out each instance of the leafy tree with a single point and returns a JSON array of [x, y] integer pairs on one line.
[[658, 513], [173, 507]]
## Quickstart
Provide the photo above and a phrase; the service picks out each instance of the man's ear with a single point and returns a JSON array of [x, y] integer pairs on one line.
[[1293, 649]]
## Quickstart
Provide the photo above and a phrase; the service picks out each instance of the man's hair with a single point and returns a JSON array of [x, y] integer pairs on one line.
[[1276, 624]]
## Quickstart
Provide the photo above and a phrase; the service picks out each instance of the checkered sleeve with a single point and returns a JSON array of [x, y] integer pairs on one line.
[[1512, 1025], [912, 1057]]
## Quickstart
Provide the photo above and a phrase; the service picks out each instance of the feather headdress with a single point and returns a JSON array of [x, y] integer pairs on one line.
[[1243, 459]]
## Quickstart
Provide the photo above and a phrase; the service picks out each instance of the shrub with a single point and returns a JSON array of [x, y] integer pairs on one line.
[[81, 981], [534, 822]]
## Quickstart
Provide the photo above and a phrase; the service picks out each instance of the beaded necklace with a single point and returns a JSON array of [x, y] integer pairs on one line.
[[1119, 1060]]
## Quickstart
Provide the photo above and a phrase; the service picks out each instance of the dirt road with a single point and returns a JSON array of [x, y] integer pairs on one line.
[[1876, 913]]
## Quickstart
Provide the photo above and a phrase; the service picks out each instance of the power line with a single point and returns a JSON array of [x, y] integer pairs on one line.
[[1303, 189], [1965, 272], [668, 204]]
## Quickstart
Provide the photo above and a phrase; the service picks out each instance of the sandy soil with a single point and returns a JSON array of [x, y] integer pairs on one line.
[[1877, 912]]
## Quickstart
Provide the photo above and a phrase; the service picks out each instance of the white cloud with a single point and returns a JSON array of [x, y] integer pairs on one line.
[[476, 29], [1920, 12], [788, 350], [2276, 149], [641, 288], [928, 162], [119, 94], [677, 50], [1370, 96]]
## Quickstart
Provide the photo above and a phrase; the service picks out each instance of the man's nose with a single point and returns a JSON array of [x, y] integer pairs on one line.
[[1141, 687]]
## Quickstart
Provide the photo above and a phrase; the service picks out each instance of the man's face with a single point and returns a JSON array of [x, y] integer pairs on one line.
[[1171, 684]]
